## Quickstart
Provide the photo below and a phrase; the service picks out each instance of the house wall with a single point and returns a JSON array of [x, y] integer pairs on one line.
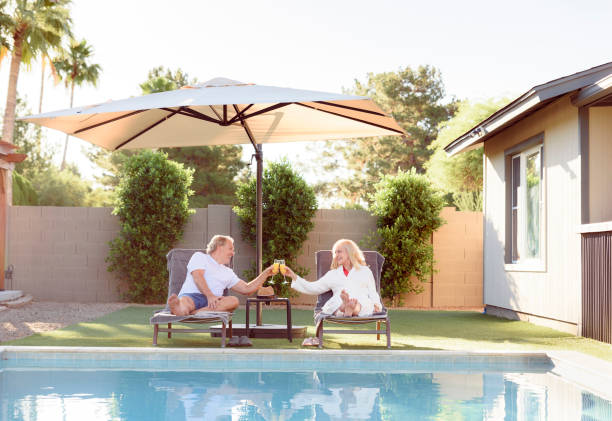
[[552, 293], [58, 253], [600, 157]]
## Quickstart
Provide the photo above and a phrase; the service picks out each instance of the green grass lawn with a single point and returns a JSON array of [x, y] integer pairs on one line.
[[411, 330]]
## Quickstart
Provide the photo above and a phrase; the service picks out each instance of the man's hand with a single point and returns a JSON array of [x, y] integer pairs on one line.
[[267, 272], [213, 300]]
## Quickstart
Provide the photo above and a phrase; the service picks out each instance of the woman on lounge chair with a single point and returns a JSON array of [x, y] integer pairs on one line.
[[349, 279]]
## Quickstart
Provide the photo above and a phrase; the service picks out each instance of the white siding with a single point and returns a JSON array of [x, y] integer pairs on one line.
[[600, 159], [554, 292]]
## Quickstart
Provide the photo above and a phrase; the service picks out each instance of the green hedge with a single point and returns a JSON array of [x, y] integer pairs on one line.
[[153, 207], [289, 204], [408, 210]]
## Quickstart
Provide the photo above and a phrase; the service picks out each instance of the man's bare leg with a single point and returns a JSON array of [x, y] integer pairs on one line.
[[229, 303], [180, 306]]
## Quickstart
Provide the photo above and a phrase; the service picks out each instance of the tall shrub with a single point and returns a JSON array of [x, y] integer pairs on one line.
[[153, 207], [288, 206], [408, 210]]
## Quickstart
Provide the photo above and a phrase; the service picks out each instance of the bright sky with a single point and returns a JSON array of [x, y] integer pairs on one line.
[[483, 48]]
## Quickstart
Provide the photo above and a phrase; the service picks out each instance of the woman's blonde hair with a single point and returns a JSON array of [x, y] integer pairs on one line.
[[217, 241], [352, 250]]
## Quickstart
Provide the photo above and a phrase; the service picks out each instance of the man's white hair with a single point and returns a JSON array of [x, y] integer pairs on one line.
[[217, 241]]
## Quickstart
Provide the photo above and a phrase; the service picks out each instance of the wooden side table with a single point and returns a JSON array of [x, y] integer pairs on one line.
[[258, 302]]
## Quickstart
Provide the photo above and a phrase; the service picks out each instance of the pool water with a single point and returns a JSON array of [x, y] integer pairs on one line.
[[114, 394]]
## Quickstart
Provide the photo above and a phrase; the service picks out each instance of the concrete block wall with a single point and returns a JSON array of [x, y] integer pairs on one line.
[[458, 253], [457, 281], [58, 253]]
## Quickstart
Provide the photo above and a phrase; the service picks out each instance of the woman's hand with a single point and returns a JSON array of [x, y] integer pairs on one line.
[[290, 273], [377, 308]]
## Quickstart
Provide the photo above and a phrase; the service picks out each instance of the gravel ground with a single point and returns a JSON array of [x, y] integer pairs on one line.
[[37, 317]]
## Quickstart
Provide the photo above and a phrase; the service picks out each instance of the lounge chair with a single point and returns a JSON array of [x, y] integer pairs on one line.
[[375, 261], [177, 269]]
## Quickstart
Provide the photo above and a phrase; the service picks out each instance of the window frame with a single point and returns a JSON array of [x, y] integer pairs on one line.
[[516, 204]]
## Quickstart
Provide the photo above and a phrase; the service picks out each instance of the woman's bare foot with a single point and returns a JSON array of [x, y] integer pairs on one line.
[[349, 308]]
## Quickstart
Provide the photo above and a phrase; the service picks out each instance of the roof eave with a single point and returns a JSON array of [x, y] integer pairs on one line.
[[497, 120], [593, 93], [532, 100]]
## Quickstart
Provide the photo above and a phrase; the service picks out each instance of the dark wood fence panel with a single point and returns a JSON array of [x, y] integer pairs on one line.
[[597, 286]]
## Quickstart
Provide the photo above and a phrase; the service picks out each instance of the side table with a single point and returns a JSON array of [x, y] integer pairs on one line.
[[258, 302]]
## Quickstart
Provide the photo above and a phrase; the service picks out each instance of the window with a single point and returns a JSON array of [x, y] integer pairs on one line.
[[524, 219]]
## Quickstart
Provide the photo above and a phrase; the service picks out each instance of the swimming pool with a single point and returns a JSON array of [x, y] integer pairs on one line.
[[144, 384]]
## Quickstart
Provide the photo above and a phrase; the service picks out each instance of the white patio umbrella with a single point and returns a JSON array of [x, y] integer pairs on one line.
[[223, 112]]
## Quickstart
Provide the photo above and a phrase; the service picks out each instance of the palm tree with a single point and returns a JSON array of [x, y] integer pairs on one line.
[[34, 26], [5, 20], [76, 71], [46, 60]]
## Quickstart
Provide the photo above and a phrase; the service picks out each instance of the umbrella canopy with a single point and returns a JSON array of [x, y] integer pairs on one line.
[[223, 112], [212, 114]]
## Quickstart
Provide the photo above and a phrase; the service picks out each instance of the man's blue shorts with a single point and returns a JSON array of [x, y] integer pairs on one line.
[[199, 300]]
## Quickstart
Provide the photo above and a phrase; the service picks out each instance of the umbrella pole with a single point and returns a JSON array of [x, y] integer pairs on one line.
[[259, 221], [259, 194]]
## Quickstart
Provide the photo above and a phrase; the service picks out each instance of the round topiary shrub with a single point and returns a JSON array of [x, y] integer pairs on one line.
[[153, 207], [288, 206], [408, 210]]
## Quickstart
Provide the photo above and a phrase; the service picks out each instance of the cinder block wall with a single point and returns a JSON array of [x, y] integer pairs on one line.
[[58, 253], [457, 281]]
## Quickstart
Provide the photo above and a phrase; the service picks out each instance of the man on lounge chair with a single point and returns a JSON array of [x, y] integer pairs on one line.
[[207, 278]]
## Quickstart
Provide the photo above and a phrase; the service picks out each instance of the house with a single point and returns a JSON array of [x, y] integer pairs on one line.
[[547, 235]]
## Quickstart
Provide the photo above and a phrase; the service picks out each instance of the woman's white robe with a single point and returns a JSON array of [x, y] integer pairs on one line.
[[358, 284]]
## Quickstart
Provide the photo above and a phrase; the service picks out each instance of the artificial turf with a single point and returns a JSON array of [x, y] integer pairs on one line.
[[411, 330]]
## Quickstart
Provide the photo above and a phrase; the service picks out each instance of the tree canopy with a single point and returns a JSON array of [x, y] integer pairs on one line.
[[416, 99], [461, 175], [29, 28], [161, 79]]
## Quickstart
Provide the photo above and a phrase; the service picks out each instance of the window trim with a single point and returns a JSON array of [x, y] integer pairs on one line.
[[532, 265]]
